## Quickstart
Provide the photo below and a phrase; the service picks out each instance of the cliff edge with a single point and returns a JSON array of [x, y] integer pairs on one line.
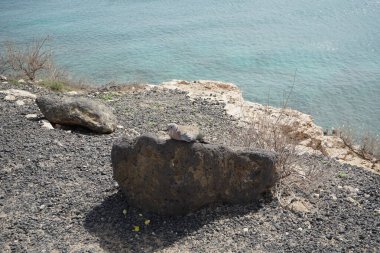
[[299, 126]]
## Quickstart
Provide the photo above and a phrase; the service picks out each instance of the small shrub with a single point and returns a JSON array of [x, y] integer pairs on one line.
[[13, 81], [269, 131], [29, 60], [4, 66], [293, 174], [107, 96], [366, 145], [342, 174], [55, 85]]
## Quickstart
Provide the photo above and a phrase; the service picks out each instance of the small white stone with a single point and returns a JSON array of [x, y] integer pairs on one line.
[[300, 229], [46, 124], [9, 98], [351, 189], [333, 197], [71, 93], [4, 82], [367, 196], [21, 81], [31, 116], [20, 102], [245, 229], [120, 126], [42, 207], [340, 187]]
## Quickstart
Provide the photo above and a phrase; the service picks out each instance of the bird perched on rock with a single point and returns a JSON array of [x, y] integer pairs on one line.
[[184, 133]]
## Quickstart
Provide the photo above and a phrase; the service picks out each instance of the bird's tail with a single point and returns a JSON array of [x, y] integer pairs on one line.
[[200, 138]]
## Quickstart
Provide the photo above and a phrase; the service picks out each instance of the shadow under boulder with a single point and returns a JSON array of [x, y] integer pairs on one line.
[[171, 177], [75, 111]]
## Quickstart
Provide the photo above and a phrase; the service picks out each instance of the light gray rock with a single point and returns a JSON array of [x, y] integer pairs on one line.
[[299, 206], [78, 111], [19, 93], [174, 178], [46, 124], [31, 116], [20, 102], [10, 98], [3, 78]]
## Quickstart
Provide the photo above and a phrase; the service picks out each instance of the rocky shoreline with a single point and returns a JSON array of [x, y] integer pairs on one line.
[[57, 193]]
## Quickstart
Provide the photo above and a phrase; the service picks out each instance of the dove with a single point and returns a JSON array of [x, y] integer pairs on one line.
[[184, 133]]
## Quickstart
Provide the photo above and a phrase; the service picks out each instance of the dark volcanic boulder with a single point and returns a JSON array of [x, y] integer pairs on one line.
[[172, 177], [78, 112]]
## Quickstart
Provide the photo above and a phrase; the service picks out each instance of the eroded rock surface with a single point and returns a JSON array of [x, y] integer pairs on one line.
[[173, 178], [78, 112], [299, 126]]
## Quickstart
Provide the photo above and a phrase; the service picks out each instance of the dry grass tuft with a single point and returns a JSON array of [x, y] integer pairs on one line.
[[366, 145], [292, 173]]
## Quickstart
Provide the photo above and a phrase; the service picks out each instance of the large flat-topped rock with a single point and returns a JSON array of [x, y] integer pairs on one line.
[[173, 178]]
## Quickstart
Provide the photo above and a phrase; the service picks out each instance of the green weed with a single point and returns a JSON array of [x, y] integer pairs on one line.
[[342, 174]]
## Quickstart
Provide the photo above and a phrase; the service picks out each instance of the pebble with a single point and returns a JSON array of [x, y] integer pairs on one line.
[[31, 116], [20, 102], [351, 200], [72, 93], [46, 124], [10, 98], [351, 189], [316, 195]]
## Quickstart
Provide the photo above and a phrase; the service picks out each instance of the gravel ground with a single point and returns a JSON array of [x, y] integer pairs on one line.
[[57, 192]]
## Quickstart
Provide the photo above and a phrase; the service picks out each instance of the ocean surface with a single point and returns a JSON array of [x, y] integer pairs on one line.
[[334, 45]]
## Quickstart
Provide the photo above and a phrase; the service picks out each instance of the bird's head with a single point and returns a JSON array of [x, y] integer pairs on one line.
[[172, 126]]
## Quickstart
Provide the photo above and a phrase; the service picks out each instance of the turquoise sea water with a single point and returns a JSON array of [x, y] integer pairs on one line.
[[256, 44]]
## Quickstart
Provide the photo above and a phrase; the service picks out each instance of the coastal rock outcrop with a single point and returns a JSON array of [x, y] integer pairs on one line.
[[308, 136], [171, 177], [77, 111], [296, 124]]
